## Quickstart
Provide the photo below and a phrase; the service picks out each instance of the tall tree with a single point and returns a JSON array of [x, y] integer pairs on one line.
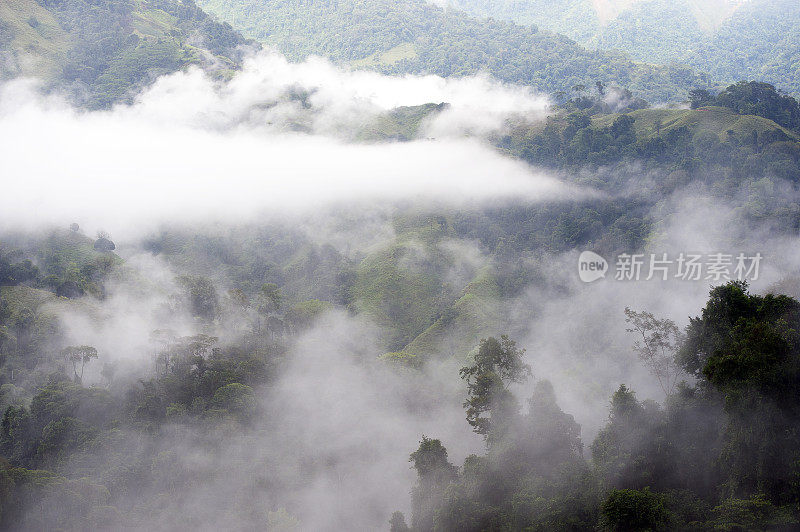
[[747, 347], [489, 403], [657, 345], [79, 354], [434, 474]]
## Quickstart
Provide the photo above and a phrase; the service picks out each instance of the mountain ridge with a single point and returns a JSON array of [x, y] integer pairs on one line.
[[422, 38], [102, 52]]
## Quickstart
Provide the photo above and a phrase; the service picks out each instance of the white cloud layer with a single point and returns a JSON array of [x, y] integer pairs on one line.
[[335, 97], [191, 148]]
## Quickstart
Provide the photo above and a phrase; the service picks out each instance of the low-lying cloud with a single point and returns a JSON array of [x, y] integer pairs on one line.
[[193, 149], [325, 98]]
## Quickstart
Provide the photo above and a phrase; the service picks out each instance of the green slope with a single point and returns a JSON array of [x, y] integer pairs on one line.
[[33, 39], [65, 261], [400, 289], [731, 40], [473, 316], [25, 298], [575, 18], [587, 20], [21, 298], [402, 123], [760, 41], [102, 51], [757, 41], [715, 120], [414, 36]]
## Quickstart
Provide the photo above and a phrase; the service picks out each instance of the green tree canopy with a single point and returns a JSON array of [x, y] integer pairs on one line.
[[498, 363]]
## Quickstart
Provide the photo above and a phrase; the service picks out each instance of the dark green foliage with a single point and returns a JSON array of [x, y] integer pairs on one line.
[[628, 510], [674, 148], [576, 140], [13, 273], [118, 46], [64, 262], [398, 523], [434, 474], [100, 28], [753, 98], [633, 449], [196, 380], [63, 437], [112, 436], [694, 427], [720, 454], [235, 398], [17, 435], [430, 461], [104, 244], [201, 297], [533, 477], [443, 42], [744, 350], [63, 418], [755, 513], [126, 73], [513, 231], [729, 40], [701, 97], [746, 346], [743, 340], [498, 363], [250, 257]]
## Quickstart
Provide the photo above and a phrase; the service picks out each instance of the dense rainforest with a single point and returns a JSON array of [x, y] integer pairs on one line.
[[414, 36], [729, 39], [709, 458], [721, 454], [241, 290]]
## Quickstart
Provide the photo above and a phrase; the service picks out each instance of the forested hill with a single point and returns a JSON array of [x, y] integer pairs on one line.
[[103, 50], [583, 20], [418, 37], [729, 39]]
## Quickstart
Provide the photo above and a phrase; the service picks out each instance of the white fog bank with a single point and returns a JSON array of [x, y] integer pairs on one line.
[[194, 149]]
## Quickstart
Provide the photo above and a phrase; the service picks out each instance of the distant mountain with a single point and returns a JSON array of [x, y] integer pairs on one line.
[[760, 41], [101, 51], [585, 20], [730, 39], [413, 36]]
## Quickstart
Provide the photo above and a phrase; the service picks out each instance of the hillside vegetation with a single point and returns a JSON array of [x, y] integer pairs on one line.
[[732, 137], [257, 362], [413, 36], [584, 20], [102, 52], [718, 455], [31, 48], [731, 40]]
